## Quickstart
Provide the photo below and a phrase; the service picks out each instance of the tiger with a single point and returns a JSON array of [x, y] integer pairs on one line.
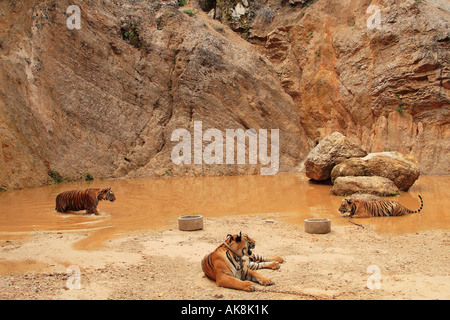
[[381, 208], [76, 200], [227, 264]]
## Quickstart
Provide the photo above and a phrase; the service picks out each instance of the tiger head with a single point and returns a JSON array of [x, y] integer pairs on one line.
[[348, 205], [240, 244], [107, 194]]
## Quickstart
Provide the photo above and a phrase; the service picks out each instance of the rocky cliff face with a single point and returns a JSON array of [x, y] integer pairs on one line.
[[106, 98], [387, 88]]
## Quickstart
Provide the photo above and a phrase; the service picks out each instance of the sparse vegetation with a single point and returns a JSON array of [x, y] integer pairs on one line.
[[89, 176], [400, 104], [56, 177], [310, 34], [131, 35], [160, 23], [189, 12], [400, 110]]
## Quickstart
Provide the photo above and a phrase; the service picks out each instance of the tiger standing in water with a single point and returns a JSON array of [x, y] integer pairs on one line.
[[227, 266], [76, 200], [381, 208]]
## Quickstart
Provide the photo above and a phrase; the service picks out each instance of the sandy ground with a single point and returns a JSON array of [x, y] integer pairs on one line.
[[165, 264]]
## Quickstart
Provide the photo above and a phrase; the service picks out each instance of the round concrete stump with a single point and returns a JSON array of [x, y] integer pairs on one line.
[[317, 226], [190, 223]]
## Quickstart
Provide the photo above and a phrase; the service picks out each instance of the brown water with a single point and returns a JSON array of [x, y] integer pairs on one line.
[[156, 202]]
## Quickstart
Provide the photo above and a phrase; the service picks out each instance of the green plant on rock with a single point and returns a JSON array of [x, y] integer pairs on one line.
[[189, 12], [131, 35], [399, 101], [89, 176], [56, 177]]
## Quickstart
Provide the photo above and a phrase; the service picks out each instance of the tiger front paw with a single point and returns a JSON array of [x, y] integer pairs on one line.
[[278, 259], [266, 282], [274, 266], [248, 286]]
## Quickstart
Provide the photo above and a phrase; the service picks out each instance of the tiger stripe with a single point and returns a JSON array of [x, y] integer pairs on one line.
[[228, 265], [76, 200], [381, 208]]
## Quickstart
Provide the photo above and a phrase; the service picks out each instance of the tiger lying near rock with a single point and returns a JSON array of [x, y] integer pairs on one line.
[[227, 264], [381, 208]]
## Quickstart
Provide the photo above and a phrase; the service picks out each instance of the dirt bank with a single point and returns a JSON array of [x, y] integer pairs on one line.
[[165, 264]]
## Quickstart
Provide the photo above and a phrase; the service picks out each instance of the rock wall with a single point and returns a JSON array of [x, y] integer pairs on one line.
[[386, 89], [105, 99], [91, 100]]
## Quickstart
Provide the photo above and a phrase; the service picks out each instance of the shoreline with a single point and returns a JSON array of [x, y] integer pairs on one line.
[[164, 264]]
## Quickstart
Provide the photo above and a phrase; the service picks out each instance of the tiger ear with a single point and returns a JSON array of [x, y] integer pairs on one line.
[[239, 237]]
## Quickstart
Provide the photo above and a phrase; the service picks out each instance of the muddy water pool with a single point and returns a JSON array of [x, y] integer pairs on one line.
[[157, 202]]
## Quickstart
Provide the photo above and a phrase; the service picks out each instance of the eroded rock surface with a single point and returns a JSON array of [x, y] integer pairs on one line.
[[380, 186], [106, 98], [329, 152], [402, 170]]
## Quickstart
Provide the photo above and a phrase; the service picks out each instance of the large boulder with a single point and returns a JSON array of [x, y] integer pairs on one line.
[[329, 152], [381, 186], [402, 170]]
